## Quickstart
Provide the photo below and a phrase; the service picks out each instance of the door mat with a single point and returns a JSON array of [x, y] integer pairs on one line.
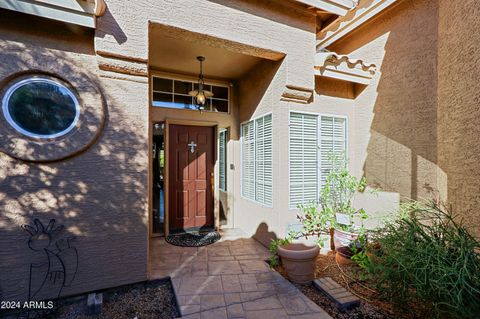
[[193, 239]]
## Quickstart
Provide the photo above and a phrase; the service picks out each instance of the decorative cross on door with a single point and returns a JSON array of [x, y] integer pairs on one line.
[[192, 146]]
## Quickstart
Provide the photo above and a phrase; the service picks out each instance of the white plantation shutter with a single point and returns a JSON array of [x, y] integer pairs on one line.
[[333, 140], [312, 140], [248, 160], [257, 160], [263, 155], [222, 158], [303, 157]]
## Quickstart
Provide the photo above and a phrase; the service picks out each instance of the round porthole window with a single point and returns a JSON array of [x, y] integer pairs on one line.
[[41, 107]]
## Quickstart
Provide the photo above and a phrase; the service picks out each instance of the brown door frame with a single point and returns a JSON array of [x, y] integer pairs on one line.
[[216, 208]]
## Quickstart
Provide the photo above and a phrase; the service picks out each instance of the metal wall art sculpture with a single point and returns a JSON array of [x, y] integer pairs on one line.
[[57, 263]]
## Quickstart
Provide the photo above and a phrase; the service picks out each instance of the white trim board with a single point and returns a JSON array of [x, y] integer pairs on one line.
[[79, 12], [338, 7], [339, 75]]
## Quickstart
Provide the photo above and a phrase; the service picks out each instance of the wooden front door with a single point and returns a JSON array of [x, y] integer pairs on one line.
[[191, 160]]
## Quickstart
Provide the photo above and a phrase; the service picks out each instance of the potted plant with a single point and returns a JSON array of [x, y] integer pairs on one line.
[[333, 217], [298, 255], [335, 214]]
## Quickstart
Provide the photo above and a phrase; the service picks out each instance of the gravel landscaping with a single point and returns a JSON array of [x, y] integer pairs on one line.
[[371, 307], [150, 300], [364, 311]]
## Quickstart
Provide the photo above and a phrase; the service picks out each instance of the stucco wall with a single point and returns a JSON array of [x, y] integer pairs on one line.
[[259, 93], [416, 124], [280, 28], [391, 122], [99, 195], [395, 116], [459, 105], [253, 27]]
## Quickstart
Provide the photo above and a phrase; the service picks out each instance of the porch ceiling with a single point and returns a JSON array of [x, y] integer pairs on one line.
[[178, 55]]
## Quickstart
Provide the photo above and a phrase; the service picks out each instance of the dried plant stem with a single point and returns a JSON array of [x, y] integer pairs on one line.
[[345, 276]]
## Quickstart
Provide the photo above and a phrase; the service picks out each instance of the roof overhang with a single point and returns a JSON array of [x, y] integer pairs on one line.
[[338, 7], [364, 11], [79, 12], [341, 67]]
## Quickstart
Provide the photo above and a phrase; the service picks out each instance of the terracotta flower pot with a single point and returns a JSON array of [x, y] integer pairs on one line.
[[343, 241], [299, 261], [343, 255], [343, 238]]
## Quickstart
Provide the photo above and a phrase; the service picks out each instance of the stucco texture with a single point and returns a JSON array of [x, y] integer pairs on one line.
[[395, 128], [412, 131], [100, 194], [255, 28], [416, 124], [257, 23], [459, 105]]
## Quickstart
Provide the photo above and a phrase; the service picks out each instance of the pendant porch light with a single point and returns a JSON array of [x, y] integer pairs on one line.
[[200, 95]]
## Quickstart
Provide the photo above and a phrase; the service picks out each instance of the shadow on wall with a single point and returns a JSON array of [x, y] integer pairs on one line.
[[400, 118], [108, 22], [253, 88], [263, 235], [404, 129], [99, 195]]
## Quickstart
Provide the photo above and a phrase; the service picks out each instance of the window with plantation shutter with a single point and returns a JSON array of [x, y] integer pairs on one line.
[[257, 160], [303, 155], [222, 159], [263, 159], [248, 160], [312, 140], [333, 141]]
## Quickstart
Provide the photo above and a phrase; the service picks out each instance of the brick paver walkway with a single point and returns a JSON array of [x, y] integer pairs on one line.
[[229, 279]]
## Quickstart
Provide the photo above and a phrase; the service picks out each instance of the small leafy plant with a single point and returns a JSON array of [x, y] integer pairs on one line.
[[336, 197], [360, 253], [338, 192]]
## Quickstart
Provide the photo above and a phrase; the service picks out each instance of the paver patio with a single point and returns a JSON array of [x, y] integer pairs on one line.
[[229, 279]]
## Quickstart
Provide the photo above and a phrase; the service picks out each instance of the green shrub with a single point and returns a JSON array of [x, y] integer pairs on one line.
[[427, 257]]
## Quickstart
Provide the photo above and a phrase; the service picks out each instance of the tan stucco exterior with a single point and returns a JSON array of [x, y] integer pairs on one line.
[[99, 195], [100, 190], [459, 105], [395, 117], [411, 127]]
